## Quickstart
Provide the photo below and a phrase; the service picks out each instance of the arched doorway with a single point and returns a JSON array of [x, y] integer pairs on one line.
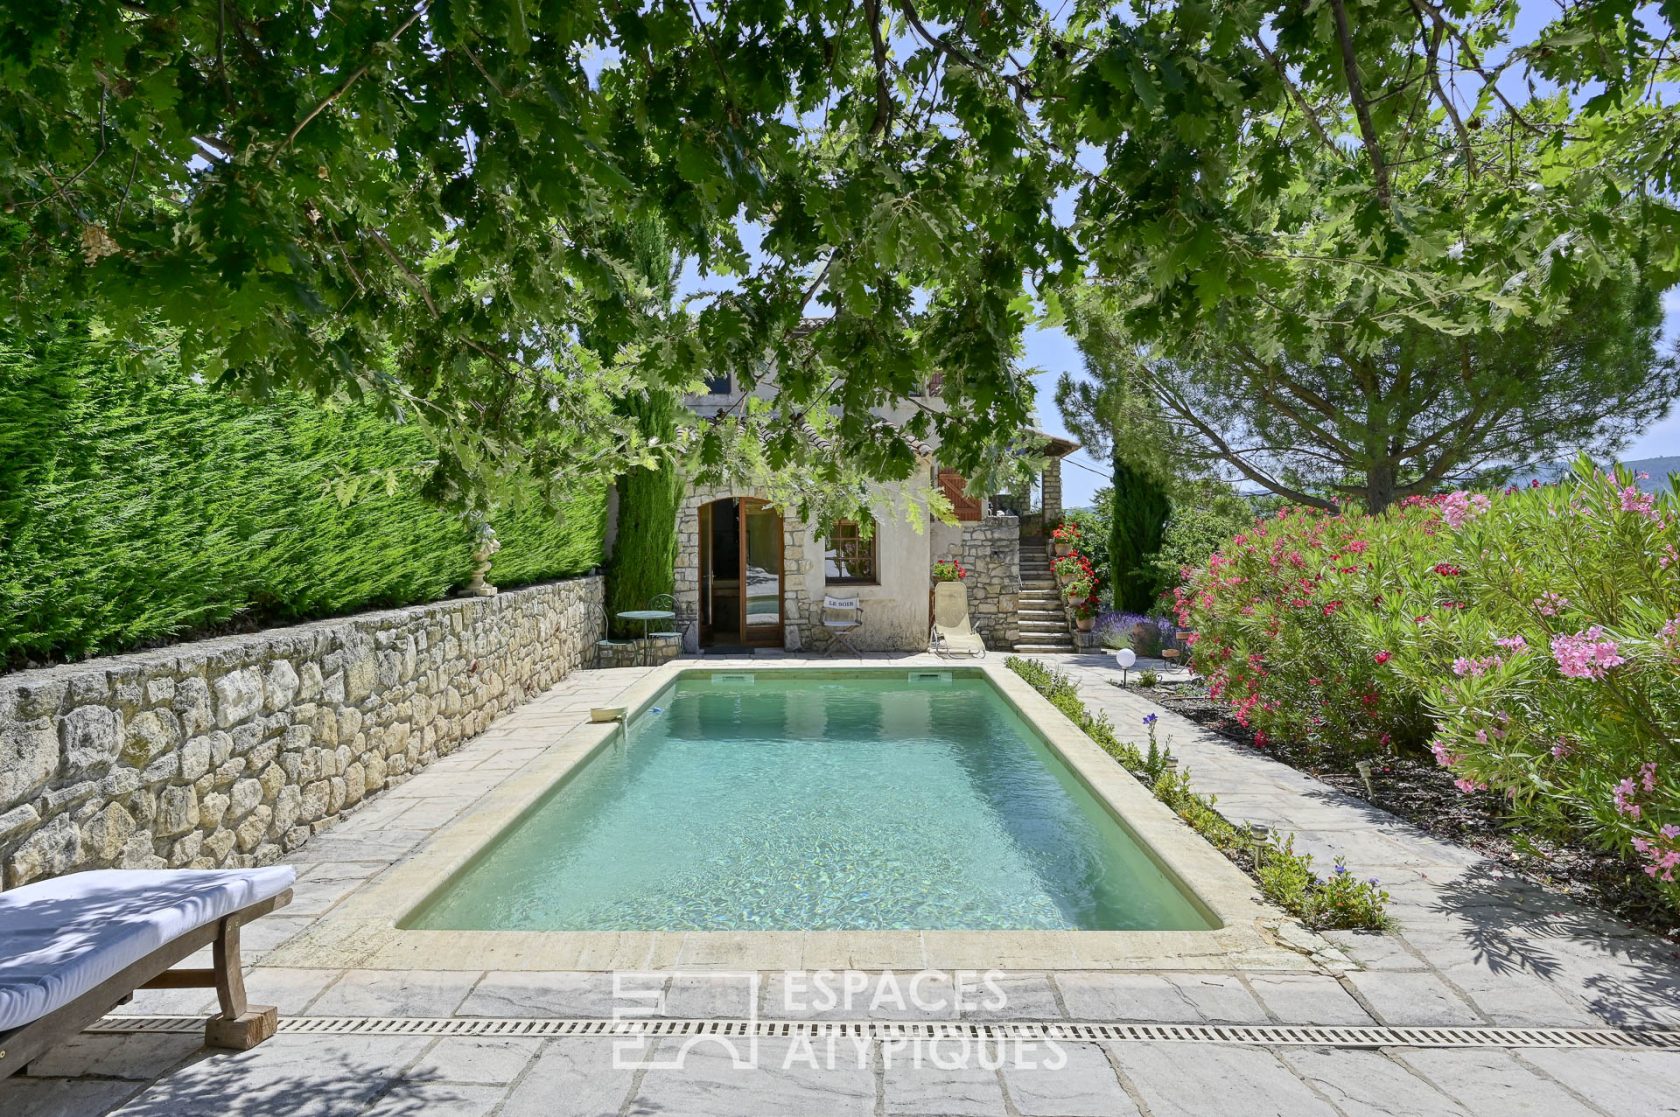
[[740, 574]]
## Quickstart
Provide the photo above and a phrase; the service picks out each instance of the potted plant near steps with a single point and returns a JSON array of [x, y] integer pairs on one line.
[[945, 570], [949, 570], [1065, 538], [1072, 566], [1085, 615]]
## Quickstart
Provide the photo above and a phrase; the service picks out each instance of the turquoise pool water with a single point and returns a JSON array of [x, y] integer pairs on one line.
[[817, 801]]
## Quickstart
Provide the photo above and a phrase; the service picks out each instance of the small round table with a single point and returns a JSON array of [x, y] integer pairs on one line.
[[647, 617]]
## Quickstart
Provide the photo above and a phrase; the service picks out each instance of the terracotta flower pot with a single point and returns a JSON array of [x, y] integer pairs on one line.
[[1063, 549], [1085, 623]]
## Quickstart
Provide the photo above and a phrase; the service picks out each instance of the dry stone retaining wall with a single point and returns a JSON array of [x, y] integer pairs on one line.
[[230, 752], [991, 550]]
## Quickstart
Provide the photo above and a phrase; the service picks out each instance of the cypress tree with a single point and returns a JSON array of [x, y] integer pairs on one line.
[[1140, 520], [644, 558]]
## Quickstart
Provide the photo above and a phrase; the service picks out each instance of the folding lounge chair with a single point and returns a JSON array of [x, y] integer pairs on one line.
[[841, 618], [951, 633], [76, 946]]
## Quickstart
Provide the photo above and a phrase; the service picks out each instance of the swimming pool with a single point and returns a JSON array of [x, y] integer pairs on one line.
[[800, 800]]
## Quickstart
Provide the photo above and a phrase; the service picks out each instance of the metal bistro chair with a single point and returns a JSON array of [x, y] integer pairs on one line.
[[606, 646], [679, 622], [841, 617]]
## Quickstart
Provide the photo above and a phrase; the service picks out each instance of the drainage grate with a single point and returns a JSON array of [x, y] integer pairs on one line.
[[930, 677], [1265, 1035], [733, 678]]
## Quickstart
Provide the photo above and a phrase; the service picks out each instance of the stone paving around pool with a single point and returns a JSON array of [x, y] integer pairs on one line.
[[1474, 947]]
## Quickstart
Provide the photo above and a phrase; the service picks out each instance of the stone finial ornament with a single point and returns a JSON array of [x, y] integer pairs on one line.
[[488, 545]]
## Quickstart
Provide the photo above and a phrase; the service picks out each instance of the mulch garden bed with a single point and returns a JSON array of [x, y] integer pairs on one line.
[[1420, 791]]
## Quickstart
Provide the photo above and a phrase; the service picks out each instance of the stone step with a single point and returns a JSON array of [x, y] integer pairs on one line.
[[1046, 649], [1043, 615]]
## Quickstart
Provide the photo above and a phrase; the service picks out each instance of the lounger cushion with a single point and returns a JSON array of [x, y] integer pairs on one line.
[[64, 936]]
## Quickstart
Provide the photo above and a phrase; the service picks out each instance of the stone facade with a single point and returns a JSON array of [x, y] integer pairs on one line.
[[659, 652], [991, 550], [230, 752], [1050, 485], [798, 568]]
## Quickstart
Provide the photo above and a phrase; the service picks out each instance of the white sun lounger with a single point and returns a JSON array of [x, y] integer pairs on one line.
[[74, 947], [952, 634]]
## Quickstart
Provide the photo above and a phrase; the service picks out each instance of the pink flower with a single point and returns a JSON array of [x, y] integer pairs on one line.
[[1467, 786], [1549, 604], [1476, 667], [1663, 862], [1458, 507], [1623, 795], [1443, 756], [1514, 643], [1585, 655], [1383, 657], [1563, 748], [1640, 503], [1648, 776]]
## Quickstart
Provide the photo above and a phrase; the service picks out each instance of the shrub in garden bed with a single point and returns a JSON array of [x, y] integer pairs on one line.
[[1341, 901], [1530, 638], [1144, 635], [1279, 620], [1558, 685]]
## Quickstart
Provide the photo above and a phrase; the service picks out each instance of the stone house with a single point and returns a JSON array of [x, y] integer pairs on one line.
[[750, 577]]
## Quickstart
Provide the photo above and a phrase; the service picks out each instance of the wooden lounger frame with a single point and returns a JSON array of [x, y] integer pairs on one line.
[[236, 1025]]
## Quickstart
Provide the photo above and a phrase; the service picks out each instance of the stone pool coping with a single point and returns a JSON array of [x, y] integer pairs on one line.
[[362, 931]]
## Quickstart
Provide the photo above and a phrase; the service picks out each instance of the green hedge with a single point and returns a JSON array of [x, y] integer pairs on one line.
[[139, 508]]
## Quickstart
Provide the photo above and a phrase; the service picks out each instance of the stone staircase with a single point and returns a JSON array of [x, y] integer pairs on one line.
[[1043, 623]]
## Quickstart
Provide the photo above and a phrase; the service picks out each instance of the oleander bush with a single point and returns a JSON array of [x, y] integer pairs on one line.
[[1279, 616], [1558, 685], [1531, 638], [138, 505]]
